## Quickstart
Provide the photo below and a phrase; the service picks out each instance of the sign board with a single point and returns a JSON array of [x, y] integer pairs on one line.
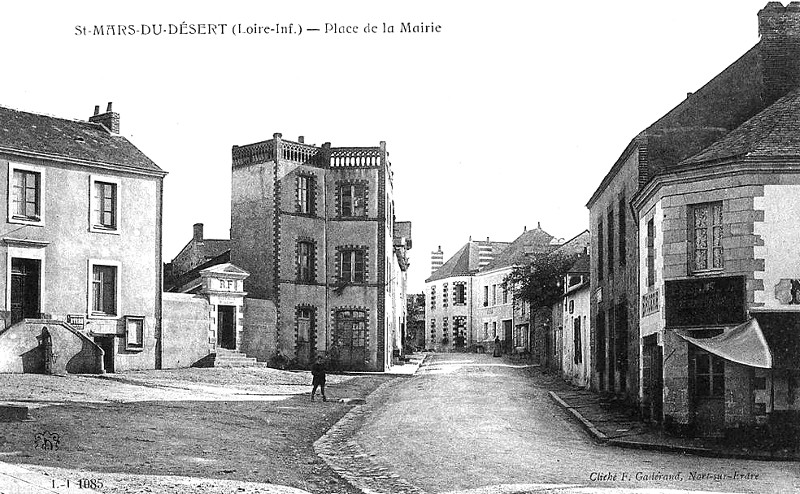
[[705, 301]]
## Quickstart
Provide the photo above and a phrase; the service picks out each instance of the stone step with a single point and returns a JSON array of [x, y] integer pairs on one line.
[[232, 358]]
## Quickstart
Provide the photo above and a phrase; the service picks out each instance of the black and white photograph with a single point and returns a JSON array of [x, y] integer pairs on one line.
[[344, 247]]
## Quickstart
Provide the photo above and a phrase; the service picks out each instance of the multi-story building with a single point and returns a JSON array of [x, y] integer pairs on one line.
[[493, 304], [82, 246], [575, 355], [450, 297], [697, 210], [547, 329], [314, 226]]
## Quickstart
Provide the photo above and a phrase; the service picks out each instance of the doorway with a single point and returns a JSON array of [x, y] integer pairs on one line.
[[305, 336], [652, 378], [508, 335], [708, 392], [106, 343], [25, 289], [226, 327]]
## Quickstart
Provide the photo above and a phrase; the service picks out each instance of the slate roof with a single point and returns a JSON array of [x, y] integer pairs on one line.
[[215, 247], [73, 139], [702, 118], [535, 241], [465, 261], [581, 266], [774, 132]]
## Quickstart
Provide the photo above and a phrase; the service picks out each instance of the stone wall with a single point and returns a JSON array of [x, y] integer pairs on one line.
[[21, 349], [259, 339], [677, 408], [186, 327]]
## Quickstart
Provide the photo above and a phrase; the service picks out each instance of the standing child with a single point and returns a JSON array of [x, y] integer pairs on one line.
[[318, 378]]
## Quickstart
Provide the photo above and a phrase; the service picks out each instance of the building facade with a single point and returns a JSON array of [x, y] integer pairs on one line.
[[719, 287], [315, 228], [576, 357], [450, 298], [688, 197], [82, 247]]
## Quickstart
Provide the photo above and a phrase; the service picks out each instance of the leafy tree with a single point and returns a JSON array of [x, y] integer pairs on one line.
[[541, 282]]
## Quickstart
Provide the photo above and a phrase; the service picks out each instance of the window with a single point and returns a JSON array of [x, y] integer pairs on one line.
[[505, 295], [104, 211], [134, 333], [486, 331], [705, 232], [305, 194], [610, 240], [494, 294], [104, 286], [486, 295], [350, 328], [305, 261], [651, 253], [444, 295], [351, 265], [600, 250], [576, 340], [459, 294], [25, 202], [494, 329], [621, 233], [709, 375], [352, 200], [433, 297]]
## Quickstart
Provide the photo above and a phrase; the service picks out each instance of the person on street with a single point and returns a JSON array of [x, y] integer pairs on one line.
[[498, 350], [318, 378]]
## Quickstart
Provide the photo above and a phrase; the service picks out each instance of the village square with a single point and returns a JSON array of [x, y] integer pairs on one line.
[[315, 349]]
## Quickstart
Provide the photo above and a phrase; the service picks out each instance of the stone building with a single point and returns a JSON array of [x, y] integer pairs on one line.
[[720, 288], [451, 297], [315, 228], [547, 329], [82, 249], [576, 356], [198, 250], [493, 313], [687, 276]]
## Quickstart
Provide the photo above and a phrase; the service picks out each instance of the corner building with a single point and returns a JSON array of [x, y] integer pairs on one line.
[[314, 226]]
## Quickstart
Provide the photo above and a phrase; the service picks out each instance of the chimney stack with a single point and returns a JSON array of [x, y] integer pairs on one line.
[[301, 140], [779, 48], [197, 235], [109, 119]]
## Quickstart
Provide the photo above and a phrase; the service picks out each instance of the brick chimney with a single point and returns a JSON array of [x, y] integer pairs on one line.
[[779, 28], [197, 232], [109, 119]]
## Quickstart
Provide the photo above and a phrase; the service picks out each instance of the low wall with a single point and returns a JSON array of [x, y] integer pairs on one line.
[[186, 325], [259, 329], [22, 350]]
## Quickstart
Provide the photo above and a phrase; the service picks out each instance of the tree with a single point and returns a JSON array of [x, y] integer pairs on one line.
[[541, 282]]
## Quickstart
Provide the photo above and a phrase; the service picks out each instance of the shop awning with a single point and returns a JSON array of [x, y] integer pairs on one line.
[[745, 344]]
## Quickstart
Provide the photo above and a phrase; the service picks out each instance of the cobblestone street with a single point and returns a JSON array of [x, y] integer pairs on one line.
[[473, 423]]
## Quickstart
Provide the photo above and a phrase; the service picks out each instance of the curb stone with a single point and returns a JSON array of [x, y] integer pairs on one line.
[[601, 438], [348, 459]]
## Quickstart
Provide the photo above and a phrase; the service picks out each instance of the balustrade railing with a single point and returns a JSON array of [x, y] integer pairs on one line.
[[254, 153], [341, 157], [298, 153]]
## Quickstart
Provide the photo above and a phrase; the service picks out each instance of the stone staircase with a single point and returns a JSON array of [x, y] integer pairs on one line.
[[232, 358]]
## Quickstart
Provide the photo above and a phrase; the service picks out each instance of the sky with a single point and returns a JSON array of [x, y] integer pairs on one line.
[[509, 116]]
